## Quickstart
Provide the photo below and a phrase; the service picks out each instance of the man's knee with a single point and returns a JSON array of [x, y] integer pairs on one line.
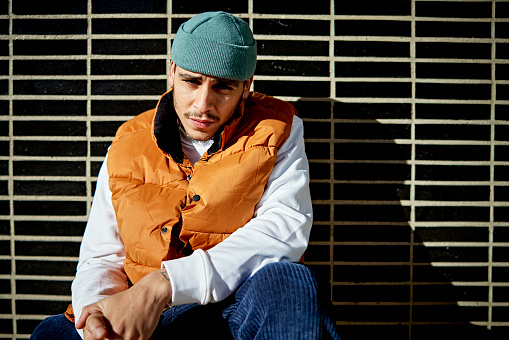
[[283, 278], [288, 271], [281, 300]]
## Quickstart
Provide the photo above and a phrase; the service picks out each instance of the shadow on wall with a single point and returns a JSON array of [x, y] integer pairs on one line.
[[383, 281]]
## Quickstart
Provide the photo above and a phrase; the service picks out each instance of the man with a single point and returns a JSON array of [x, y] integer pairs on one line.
[[201, 210]]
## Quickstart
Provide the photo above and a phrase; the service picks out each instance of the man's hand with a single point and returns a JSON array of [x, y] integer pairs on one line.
[[131, 314]]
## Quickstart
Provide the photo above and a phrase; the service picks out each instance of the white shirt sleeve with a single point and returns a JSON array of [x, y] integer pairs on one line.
[[279, 231], [100, 271]]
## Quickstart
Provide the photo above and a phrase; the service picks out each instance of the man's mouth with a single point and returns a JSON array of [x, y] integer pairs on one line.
[[201, 123]]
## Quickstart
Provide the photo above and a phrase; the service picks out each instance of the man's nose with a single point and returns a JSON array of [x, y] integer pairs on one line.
[[204, 100]]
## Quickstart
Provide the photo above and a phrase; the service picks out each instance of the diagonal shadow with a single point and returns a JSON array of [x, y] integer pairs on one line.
[[388, 279]]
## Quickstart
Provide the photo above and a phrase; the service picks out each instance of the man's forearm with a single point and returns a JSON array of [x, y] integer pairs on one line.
[[135, 311]]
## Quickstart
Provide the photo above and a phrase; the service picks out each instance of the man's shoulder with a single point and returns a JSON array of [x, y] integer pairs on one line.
[[261, 102], [266, 120]]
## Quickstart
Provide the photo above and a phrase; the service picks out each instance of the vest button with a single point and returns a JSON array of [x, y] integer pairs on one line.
[[188, 177], [164, 230], [196, 198]]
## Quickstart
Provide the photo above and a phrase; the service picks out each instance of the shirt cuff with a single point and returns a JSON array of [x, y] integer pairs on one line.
[[190, 278]]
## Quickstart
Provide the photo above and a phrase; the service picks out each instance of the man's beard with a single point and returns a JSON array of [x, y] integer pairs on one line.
[[210, 116]]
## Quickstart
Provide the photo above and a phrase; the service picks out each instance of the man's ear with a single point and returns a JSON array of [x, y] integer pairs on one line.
[[247, 88], [172, 73]]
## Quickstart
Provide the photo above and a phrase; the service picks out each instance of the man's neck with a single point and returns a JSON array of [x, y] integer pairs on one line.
[[192, 148]]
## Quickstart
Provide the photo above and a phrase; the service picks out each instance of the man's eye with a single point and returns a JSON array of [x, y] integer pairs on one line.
[[224, 87]]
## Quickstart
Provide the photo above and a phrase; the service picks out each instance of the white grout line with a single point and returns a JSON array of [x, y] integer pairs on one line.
[[11, 185]]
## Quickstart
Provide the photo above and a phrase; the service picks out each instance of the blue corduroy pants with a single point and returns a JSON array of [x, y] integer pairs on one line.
[[281, 301]]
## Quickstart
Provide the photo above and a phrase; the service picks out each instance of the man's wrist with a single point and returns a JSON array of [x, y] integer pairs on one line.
[[164, 273], [165, 285], [159, 286]]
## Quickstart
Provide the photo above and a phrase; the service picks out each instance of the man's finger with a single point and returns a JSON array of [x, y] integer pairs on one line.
[[82, 320], [85, 313], [96, 326]]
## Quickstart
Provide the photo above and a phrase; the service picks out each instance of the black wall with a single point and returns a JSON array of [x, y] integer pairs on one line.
[[406, 110]]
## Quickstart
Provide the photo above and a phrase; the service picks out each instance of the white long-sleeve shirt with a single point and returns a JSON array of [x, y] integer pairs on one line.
[[278, 231]]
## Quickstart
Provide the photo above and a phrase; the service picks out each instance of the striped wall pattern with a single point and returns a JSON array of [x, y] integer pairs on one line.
[[406, 111]]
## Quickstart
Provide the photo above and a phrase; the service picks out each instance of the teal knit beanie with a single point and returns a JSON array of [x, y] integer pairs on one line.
[[216, 44]]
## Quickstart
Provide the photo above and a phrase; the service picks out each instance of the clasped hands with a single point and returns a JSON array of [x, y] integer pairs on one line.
[[129, 315]]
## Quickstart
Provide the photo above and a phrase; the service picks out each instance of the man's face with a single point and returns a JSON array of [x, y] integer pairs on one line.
[[204, 103]]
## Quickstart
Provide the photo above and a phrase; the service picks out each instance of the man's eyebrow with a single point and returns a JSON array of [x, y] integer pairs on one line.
[[188, 76], [228, 82]]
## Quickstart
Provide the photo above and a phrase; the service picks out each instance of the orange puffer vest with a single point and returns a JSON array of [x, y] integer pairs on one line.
[[166, 207]]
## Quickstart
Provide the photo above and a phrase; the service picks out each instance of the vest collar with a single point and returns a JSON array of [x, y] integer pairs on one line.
[[165, 129]]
